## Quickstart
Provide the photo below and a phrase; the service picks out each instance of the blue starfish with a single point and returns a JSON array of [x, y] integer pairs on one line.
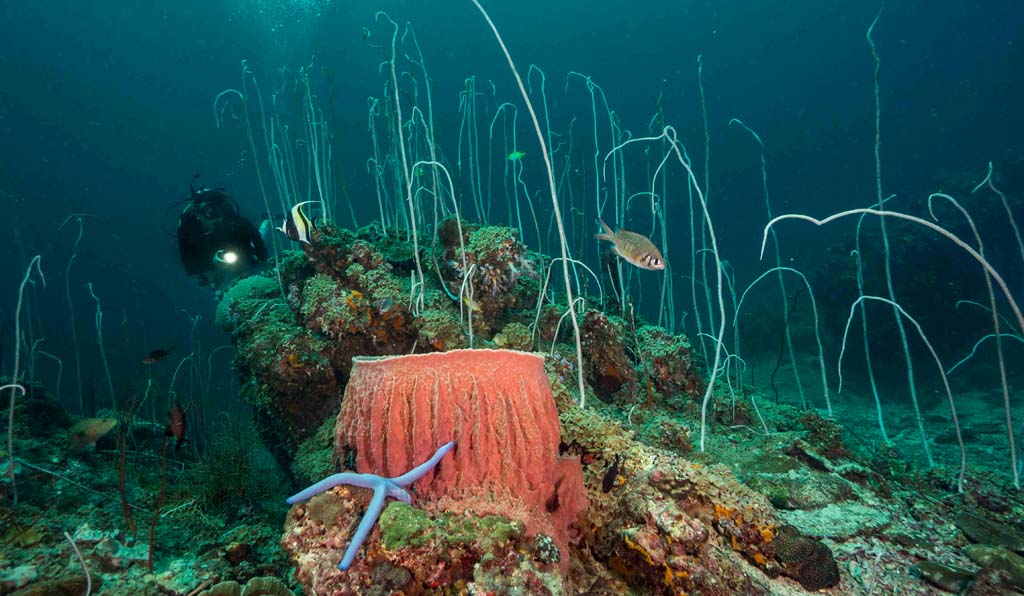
[[382, 488]]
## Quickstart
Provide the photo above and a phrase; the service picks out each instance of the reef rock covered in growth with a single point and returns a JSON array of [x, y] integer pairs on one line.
[[513, 506]]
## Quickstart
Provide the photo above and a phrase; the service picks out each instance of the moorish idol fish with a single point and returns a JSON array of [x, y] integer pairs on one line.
[[297, 226]]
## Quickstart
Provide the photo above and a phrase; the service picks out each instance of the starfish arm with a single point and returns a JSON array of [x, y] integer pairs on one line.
[[397, 492], [365, 525], [382, 489], [350, 478], [421, 470]]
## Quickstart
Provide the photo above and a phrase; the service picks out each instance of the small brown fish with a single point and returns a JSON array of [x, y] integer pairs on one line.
[[611, 477], [176, 426], [156, 356], [87, 431], [636, 249]]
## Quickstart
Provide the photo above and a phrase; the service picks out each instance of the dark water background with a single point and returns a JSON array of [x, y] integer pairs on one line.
[[106, 109]]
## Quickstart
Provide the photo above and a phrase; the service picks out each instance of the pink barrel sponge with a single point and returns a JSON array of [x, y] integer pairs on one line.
[[496, 405]]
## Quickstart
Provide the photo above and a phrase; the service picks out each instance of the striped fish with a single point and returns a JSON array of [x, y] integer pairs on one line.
[[636, 249], [297, 226]]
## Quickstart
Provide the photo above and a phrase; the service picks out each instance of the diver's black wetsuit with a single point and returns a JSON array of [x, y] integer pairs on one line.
[[210, 226]]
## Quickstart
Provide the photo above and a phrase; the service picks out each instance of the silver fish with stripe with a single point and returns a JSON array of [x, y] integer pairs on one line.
[[636, 249]]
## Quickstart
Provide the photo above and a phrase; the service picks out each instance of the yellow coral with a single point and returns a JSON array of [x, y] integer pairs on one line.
[[353, 297], [668, 577], [722, 512], [643, 552]]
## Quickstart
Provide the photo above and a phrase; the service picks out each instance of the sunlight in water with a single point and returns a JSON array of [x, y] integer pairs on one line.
[[280, 14]]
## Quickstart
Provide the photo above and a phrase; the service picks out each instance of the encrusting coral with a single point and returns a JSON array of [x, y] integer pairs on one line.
[[608, 368], [486, 270], [257, 586]]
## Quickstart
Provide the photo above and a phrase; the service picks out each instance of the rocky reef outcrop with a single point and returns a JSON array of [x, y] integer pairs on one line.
[[538, 495]]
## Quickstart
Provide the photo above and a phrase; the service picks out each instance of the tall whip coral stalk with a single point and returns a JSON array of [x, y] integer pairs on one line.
[[814, 308], [554, 202], [1006, 207], [417, 298], [14, 387], [218, 112], [995, 327], [71, 308], [885, 241], [938, 363], [103, 352], [869, 368], [675, 147], [779, 269]]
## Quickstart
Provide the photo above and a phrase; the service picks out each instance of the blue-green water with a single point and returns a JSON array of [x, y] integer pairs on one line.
[[109, 111]]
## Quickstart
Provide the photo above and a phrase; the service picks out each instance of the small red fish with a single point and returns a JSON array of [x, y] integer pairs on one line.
[[176, 426], [156, 356]]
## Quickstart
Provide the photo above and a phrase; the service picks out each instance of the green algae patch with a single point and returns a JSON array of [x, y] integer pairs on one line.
[[402, 525], [243, 298], [489, 530]]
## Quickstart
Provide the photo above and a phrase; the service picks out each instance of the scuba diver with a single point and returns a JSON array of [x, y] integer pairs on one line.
[[214, 241]]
